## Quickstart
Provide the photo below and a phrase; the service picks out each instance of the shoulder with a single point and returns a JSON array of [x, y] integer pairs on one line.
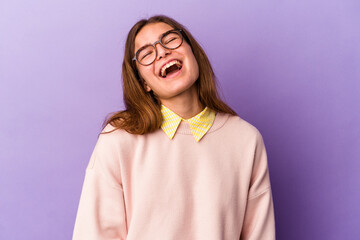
[[237, 123], [238, 127], [112, 138], [111, 145]]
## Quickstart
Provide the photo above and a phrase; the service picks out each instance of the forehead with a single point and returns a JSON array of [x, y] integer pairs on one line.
[[150, 33]]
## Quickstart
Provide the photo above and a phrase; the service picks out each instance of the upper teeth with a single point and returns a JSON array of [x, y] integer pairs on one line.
[[163, 69]]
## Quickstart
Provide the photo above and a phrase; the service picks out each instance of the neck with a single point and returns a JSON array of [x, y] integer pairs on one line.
[[185, 105]]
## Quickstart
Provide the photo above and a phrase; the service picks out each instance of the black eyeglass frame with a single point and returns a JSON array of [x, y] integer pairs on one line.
[[159, 41]]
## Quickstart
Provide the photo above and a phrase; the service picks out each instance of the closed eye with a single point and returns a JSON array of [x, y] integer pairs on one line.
[[170, 40], [146, 54]]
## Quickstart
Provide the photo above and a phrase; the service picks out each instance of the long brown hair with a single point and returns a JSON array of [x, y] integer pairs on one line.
[[143, 114]]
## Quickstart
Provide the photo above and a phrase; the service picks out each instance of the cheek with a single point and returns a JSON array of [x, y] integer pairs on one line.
[[193, 63], [146, 72], [195, 67]]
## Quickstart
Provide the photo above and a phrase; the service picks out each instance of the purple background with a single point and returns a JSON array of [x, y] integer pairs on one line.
[[291, 68]]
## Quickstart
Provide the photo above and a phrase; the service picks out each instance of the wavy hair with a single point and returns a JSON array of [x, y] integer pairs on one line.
[[143, 109]]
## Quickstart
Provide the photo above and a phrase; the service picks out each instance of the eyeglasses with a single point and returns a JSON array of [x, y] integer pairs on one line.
[[146, 55]]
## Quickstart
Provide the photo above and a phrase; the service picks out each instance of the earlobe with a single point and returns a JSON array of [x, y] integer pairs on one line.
[[147, 88]]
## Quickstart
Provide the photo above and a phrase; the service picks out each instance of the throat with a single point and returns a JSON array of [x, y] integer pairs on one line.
[[185, 104]]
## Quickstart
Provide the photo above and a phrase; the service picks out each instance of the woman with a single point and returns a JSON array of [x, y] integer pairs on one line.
[[178, 163]]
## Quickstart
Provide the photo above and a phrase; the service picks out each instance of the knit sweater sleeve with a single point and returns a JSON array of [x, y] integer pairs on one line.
[[259, 222], [101, 212]]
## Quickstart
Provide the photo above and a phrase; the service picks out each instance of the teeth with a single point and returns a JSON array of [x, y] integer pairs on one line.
[[163, 69]]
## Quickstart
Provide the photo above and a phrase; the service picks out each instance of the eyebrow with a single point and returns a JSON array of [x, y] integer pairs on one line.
[[149, 43]]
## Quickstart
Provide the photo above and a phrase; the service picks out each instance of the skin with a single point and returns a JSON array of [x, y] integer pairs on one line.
[[178, 93]]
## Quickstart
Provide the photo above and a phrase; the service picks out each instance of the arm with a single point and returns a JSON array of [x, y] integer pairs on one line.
[[259, 222], [101, 213]]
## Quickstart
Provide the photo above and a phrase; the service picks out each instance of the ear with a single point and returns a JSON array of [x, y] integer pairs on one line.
[[147, 88]]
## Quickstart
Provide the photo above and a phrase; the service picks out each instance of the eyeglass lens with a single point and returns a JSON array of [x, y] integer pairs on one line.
[[170, 40]]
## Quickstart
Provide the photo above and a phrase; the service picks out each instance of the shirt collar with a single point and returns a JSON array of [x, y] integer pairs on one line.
[[199, 124]]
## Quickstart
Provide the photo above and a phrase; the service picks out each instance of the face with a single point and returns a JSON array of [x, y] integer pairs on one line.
[[179, 79]]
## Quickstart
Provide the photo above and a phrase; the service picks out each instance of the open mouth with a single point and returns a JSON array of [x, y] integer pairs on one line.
[[170, 68]]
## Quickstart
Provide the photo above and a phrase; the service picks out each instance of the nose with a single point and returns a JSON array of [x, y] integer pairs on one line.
[[161, 51]]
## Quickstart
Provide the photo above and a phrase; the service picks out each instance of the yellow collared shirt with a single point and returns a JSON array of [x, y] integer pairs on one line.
[[199, 124]]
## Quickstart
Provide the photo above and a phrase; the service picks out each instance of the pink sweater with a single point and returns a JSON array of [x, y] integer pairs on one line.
[[148, 187]]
